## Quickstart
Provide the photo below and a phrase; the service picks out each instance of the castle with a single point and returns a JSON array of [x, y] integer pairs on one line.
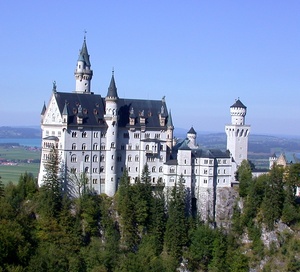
[[103, 136]]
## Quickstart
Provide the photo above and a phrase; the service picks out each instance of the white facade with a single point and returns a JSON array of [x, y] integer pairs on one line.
[[101, 136]]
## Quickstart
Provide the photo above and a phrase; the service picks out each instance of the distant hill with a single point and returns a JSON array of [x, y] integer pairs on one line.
[[19, 132]]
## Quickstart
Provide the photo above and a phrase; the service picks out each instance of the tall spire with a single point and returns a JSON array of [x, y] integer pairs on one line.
[[112, 89], [83, 54]]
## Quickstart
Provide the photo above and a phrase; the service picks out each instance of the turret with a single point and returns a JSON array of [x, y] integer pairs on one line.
[[170, 130], [192, 135], [237, 133], [83, 73], [111, 119]]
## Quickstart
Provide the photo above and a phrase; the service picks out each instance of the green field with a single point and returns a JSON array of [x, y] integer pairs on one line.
[[19, 155]]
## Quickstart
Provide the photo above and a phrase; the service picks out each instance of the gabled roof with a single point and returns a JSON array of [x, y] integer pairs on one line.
[[90, 108], [238, 104]]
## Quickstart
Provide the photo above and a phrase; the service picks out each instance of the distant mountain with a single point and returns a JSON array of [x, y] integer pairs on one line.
[[19, 132]]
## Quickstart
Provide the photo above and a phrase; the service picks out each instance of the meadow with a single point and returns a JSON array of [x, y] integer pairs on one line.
[[23, 159]]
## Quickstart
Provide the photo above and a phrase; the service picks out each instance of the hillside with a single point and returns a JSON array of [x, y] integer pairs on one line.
[[19, 132]]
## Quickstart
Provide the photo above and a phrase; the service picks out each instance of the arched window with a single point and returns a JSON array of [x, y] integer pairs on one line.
[[74, 134], [86, 170], [83, 146], [112, 145], [87, 158], [95, 158], [160, 169], [95, 146], [147, 147], [74, 147], [129, 158], [153, 169], [101, 169], [73, 158], [102, 158], [136, 158], [84, 134]]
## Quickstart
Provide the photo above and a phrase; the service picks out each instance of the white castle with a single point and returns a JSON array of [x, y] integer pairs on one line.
[[103, 136]]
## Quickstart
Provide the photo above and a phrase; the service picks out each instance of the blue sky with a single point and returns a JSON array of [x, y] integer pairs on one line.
[[201, 55]]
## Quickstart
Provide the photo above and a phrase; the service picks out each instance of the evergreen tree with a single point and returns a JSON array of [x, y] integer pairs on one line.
[[274, 196], [176, 226], [1, 188], [244, 176], [289, 211], [52, 189]]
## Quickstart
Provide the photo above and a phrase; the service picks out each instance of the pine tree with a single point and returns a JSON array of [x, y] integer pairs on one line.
[[52, 190], [274, 196], [244, 176], [1, 188], [176, 226]]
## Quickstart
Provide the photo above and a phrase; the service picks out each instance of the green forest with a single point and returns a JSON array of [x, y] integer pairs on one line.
[[146, 229]]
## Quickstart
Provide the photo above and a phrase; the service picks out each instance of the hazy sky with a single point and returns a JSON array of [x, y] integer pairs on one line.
[[201, 55]]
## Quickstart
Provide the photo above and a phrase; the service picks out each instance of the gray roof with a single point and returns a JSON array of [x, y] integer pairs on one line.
[[238, 104], [84, 55], [92, 109], [112, 89], [170, 121], [43, 109], [192, 131]]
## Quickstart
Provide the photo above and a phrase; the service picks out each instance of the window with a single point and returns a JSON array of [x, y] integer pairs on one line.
[[224, 171], [73, 158], [184, 161], [102, 158], [205, 161], [112, 145], [157, 136], [95, 146], [94, 181], [147, 135], [147, 147], [84, 134], [205, 171], [102, 146], [112, 168], [172, 179], [101, 169], [161, 147], [96, 134], [136, 158], [95, 170], [184, 171], [74, 134], [136, 135], [126, 135], [59, 133], [87, 158], [129, 158], [137, 147], [210, 161], [153, 169], [83, 146], [219, 171], [74, 147], [205, 181], [86, 170], [172, 170], [160, 169], [95, 158], [119, 158], [129, 147], [224, 161], [122, 147]]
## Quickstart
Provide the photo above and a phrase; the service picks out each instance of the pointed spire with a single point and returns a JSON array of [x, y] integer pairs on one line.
[[65, 110], [112, 89], [43, 109], [192, 131], [170, 122], [84, 55]]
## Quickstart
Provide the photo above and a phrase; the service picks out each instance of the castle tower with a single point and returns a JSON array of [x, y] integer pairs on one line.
[[111, 119], [237, 133], [83, 73]]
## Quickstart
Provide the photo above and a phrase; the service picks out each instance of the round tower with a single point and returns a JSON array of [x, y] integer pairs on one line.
[[111, 119], [83, 73], [237, 132], [170, 130]]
